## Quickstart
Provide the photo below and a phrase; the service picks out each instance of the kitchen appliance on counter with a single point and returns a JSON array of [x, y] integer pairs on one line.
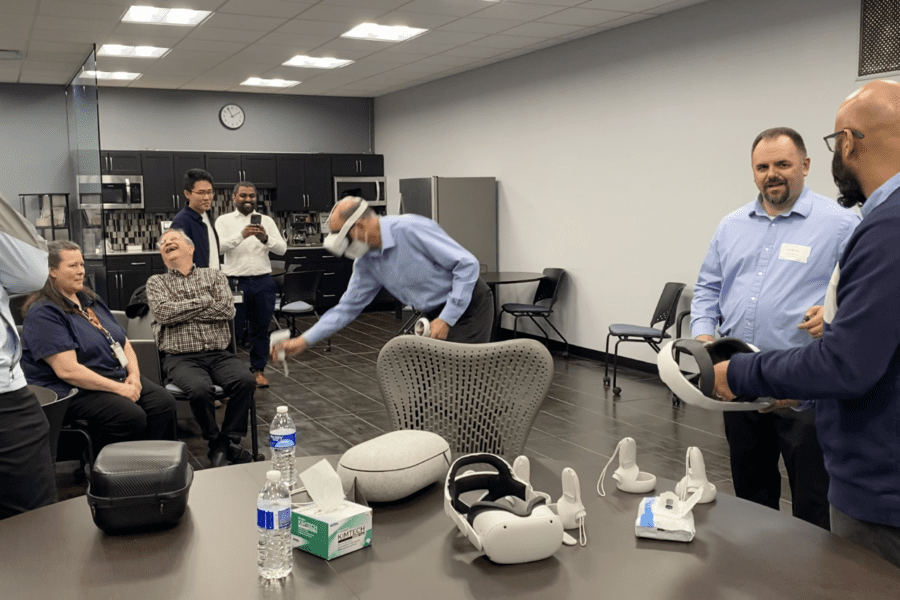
[[304, 230], [371, 189], [120, 192], [465, 207]]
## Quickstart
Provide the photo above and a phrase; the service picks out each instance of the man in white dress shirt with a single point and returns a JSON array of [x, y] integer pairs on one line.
[[246, 238]]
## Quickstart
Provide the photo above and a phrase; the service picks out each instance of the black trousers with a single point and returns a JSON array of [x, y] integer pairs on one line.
[[475, 325], [757, 439], [27, 474], [197, 372], [114, 418], [255, 312]]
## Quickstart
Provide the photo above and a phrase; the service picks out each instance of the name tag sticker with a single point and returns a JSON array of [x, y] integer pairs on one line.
[[794, 252]]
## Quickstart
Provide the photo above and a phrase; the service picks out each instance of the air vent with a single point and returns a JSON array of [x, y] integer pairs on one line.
[[879, 37], [11, 54]]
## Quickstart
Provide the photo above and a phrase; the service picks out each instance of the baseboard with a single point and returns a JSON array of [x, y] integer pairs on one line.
[[587, 353]]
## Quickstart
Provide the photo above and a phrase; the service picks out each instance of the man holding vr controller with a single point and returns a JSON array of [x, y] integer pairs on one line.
[[416, 261]]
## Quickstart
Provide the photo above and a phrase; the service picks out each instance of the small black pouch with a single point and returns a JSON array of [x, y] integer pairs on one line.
[[139, 486]]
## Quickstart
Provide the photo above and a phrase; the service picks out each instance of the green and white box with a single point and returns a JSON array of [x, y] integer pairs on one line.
[[334, 533]]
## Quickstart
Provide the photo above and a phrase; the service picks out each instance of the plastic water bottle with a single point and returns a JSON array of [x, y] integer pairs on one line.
[[283, 440], [273, 522]]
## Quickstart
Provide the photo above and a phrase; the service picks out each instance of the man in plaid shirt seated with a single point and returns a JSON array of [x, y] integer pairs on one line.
[[191, 309]]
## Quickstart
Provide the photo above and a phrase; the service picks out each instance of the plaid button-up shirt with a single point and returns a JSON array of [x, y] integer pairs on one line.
[[191, 312]]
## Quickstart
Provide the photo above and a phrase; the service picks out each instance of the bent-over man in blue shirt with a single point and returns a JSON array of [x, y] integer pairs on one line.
[[763, 281], [420, 265]]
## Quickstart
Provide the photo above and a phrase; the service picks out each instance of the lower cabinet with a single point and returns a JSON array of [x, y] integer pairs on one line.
[[125, 274], [336, 273]]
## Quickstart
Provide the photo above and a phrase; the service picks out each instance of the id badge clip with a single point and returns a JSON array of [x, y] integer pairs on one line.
[[119, 354]]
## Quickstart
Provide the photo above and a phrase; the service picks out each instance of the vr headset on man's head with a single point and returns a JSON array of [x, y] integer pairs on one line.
[[339, 243]]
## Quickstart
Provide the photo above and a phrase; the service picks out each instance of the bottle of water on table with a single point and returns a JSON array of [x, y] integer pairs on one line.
[[273, 522], [283, 439]]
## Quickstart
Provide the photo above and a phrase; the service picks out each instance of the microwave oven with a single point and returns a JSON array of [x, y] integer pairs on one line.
[[121, 191], [370, 189]]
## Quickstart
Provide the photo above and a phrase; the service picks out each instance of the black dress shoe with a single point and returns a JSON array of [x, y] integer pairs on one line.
[[218, 457], [237, 454]]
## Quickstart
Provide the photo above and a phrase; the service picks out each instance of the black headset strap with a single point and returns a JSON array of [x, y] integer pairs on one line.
[[499, 484], [698, 350]]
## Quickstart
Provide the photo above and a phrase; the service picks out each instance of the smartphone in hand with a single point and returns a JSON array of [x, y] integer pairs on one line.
[[255, 219]]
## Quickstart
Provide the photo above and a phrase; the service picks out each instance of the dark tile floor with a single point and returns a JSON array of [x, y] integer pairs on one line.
[[335, 401]]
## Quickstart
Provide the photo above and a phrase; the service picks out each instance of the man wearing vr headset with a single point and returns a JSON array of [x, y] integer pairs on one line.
[[853, 370], [417, 262]]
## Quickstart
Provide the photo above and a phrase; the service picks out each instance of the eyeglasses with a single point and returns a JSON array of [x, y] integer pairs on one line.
[[831, 140], [251, 196], [203, 193]]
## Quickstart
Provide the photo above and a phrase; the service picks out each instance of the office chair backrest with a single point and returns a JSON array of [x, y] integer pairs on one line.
[[667, 307], [548, 287], [55, 410], [478, 397], [148, 359], [16, 302], [121, 319], [301, 286]]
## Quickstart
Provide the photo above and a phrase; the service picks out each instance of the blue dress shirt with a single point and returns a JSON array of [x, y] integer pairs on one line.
[[761, 275], [418, 263], [48, 330]]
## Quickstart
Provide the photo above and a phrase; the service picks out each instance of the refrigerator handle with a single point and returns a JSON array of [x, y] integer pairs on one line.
[[401, 204], [378, 191]]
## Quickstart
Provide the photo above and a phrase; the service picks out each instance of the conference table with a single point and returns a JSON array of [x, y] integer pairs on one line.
[[741, 550], [495, 278]]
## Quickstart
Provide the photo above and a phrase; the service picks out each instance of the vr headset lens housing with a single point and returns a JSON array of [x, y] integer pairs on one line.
[[339, 243]]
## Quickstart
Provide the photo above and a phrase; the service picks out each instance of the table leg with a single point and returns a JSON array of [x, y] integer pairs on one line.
[[495, 330]]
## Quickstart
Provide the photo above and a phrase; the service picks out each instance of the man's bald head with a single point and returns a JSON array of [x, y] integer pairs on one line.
[[367, 228], [868, 152]]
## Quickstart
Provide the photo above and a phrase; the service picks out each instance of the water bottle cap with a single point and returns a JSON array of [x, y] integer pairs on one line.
[[281, 409], [273, 475]]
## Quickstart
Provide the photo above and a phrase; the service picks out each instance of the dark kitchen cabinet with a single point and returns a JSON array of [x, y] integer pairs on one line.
[[304, 183], [357, 165], [159, 182], [120, 163], [124, 274], [229, 169], [182, 162]]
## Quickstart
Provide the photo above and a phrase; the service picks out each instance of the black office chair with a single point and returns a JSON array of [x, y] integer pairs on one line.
[[16, 302], [55, 410], [546, 292], [664, 313], [299, 297]]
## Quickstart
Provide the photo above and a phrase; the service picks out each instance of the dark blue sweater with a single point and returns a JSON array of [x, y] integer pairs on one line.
[[192, 223], [855, 368]]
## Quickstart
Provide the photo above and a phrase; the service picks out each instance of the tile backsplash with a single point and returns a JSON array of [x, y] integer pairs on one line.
[[130, 227]]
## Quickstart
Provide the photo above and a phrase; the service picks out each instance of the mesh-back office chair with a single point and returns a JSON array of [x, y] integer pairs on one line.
[[478, 397], [664, 313], [55, 410], [541, 306], [299, 297]]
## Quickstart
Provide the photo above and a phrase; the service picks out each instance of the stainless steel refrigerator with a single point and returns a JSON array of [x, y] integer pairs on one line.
[[465, 207]]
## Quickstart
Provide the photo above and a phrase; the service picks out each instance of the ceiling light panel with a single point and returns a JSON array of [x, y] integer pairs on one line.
[[165, 16], [114, 75], [383, 33], [131, 51], [277, 83], [312, 62]]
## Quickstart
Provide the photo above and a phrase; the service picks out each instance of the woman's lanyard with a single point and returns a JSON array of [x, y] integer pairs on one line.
[[116, 348]]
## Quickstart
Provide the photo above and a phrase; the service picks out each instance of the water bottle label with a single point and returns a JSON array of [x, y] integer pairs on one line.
[[268, 519], [283, 441]]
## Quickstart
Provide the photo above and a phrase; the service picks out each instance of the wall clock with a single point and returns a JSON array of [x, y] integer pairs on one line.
[[232, 116]]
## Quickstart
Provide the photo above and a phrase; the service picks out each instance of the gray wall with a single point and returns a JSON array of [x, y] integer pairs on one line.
[[34, 152], [138, 119], [618, 154]]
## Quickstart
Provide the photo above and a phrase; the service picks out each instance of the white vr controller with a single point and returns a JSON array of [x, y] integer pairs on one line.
[[695, 478], [629, 478], [569, 507], [698, 390]]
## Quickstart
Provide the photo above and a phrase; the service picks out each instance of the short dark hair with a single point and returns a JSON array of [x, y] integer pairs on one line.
[[775, 133], [241, 184], [195, 175]]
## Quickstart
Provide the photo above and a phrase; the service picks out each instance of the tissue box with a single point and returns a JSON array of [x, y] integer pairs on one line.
[[332, 534]]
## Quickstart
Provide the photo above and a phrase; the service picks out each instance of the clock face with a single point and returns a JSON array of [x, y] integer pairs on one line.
[[232, 116]]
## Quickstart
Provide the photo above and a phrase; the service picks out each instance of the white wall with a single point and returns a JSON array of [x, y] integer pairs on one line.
[[618, 154]]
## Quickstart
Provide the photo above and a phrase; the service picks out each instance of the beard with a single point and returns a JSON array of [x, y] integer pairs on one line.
[[851, 193], [776, 199], [245, 208]]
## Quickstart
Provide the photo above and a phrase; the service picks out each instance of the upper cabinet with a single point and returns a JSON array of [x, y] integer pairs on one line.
[[357, 165], [259, 169], [164, 178], [120, 163], [304, 183]]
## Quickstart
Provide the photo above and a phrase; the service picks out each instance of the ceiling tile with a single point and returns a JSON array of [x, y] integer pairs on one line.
[[63, 36], [21, 22], [69, 23], [139, 33], [455, 8], [64, 58], [359, 47], [565, 3], [411, 19], [517, 12], [677, 5], [478, 25], [582, 17], [47, 78], [205, 87], [510, 42], [342, 14], [80, 49], [301, 43], [18, 7], [13, 39], [225, 35], [264, 8], [82, 10], [304, 27], [629, 19], [474, 51], [376, 4], [242, 22], [624, 5], [35, 66], [542, 30], [223, 47]]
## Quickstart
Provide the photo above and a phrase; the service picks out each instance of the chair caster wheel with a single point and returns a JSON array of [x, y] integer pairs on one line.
[[259, 458], [606, 382], [617, 391]]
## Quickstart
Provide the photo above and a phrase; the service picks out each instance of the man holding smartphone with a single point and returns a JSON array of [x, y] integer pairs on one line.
[[246, 238]]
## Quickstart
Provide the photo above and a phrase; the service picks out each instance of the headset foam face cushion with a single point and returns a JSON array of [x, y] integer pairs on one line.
[[394, 465]]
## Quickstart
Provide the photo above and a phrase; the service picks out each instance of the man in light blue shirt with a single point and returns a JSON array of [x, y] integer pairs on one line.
[[420, 265], [763, 281]]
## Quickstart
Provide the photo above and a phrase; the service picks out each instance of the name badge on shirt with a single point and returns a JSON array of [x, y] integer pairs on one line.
[[794, 252], [119, 353]]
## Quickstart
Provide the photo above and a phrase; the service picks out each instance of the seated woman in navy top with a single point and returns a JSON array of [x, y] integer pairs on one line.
[[72, 340]]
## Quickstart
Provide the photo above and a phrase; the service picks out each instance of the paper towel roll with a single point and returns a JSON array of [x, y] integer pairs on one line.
[[423, 327]]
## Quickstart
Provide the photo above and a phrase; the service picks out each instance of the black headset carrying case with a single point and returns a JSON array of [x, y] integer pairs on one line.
[[139, 486]]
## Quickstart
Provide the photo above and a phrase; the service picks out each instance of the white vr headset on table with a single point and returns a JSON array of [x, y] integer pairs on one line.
[[339, 243]]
